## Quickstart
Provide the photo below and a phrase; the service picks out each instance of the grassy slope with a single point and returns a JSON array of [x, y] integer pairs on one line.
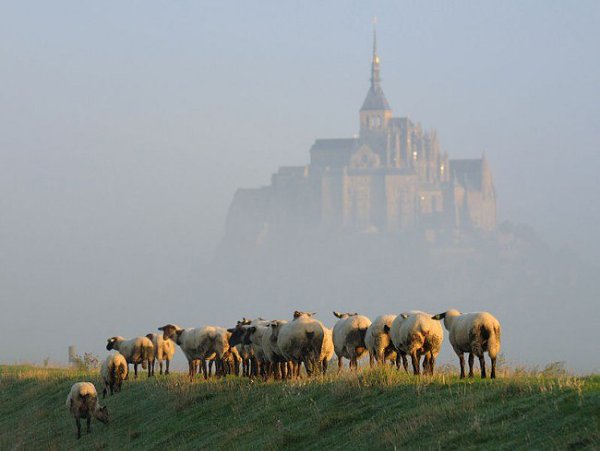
[[376, 408]]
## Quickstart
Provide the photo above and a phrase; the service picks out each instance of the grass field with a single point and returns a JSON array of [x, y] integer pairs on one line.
[[378, 408]]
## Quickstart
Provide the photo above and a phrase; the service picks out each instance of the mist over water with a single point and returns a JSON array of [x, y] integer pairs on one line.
[[125, 131]]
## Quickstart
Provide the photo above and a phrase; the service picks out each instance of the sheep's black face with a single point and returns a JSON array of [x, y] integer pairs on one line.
[[169, 331], [237, 335], [110, 344], [102, 415]]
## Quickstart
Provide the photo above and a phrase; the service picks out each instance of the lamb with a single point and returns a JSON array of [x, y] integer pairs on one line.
[[301, 341], [137, 350], [475, 333], [378, 341], [415, 333], [349, 337], [82, 401], [199, 344], [164, 350], [113, 372]]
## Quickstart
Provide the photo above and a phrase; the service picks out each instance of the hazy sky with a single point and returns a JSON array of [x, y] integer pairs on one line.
[[125, 127]]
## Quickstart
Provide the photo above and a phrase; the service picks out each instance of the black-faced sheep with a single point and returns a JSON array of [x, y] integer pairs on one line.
[[113, 373], [417, 334], [82, 402], [199, 344], [137, 350], [164, 350], [349, 337], [475, 333]]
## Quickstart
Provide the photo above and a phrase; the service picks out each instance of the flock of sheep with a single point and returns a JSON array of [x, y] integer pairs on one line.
[[279, 348]]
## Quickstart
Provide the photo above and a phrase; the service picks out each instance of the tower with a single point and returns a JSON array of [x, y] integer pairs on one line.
[[375, 112]]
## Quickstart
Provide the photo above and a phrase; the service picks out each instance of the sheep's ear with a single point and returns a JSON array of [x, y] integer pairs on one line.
[[337, 314], [149, 336], [231, 330], [386, 328], [274, 325], [313, 313], [439, 316], [161, 328], [404, 315]]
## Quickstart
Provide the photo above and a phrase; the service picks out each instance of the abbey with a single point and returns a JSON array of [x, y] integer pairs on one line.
[[392, 177]]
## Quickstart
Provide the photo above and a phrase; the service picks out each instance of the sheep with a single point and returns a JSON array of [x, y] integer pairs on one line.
[[137, 350], [415, 333], [113, 372], [379, 344], [82, 401], [301, 341], [249, 362], [327, 349], [349, 337], [273, 355], [475, 333], [164, 350], [253, 337], [199, 344]]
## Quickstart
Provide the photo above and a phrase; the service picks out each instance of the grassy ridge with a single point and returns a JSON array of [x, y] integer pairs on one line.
[[374, 408]]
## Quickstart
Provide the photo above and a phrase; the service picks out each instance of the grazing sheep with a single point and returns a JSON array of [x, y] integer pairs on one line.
[[199, 344], [82, 401], [475, 333], [113, 372], [417, 334], [378, 341], [164, 350], [301, 341], [349, 337], [137, 350]]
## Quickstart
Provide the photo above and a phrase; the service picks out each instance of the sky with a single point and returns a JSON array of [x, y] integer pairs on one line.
[[126, 127]]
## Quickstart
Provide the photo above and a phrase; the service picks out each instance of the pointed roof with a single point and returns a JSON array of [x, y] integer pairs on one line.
[[375, 99]]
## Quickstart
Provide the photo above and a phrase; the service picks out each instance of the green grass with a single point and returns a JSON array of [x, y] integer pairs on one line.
[[378, 408]]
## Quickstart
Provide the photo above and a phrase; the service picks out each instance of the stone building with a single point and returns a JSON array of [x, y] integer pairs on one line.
[[392, 178]]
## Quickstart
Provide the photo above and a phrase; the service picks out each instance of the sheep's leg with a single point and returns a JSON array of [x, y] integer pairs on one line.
[[89, 423], [135, 369], [191, 366], [482, 366], [404, 361], [340, 364], [167, 365], [415, 363], [78, 423], [471, 361], [160, 368], [493, 375], [371, 359], [461, 358], [431, 364], [324, 366]]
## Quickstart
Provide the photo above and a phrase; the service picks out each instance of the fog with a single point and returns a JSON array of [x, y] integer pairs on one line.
[[125, 130]]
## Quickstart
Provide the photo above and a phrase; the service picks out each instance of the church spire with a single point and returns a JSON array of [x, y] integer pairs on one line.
[[375, 79], [375, 99]]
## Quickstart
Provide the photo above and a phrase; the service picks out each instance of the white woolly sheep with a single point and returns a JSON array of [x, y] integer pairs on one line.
[[301, 341], [199, 344], [164, 350], [113, 373], [277, 364], [349, 337], [82, 401], [137, 350], [379, 344], [417, 334], [254, 338], [327, 349], [475, 333]]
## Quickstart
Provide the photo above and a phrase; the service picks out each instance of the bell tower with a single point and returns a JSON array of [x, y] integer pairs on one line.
[[375, 112]]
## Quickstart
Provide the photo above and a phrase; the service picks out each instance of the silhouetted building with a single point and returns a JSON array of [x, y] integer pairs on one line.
[[391, 178]]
